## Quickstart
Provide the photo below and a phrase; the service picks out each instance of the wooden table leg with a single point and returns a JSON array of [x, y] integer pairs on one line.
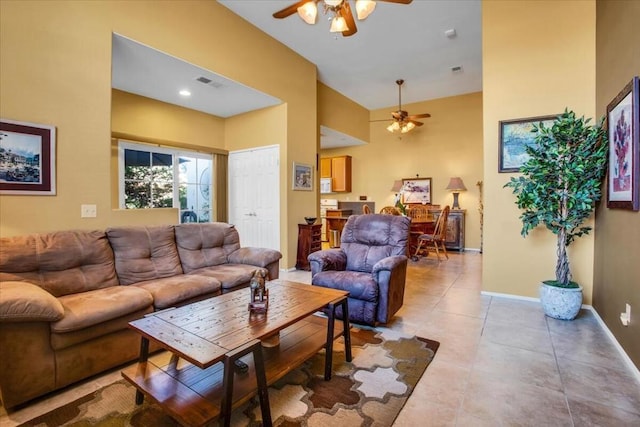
[[346, 331], [328, 359], [254, 347], [144, 356]]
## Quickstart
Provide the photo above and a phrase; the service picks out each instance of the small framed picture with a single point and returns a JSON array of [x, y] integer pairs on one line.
[[302, 177], [416, 190], [515, 136], [623, 130], [27, 158]]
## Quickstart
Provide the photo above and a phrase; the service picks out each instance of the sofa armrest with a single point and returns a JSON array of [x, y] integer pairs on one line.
[[388, 263], [26, 302], [260, 257], [390, 273], [328, 259]]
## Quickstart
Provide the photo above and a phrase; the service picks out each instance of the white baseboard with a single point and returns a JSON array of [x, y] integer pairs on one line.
[[509, 296], [627, 360], [634, 369]]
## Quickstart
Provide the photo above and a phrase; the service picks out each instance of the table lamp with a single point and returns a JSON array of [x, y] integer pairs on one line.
[[456, 185]]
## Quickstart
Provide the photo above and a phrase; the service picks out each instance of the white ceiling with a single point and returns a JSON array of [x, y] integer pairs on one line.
[[395, 41], [148, 72]]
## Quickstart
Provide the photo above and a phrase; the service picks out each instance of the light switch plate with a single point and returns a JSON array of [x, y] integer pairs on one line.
[[88, 211]]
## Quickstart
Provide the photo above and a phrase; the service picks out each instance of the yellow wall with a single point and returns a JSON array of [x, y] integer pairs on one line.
[[55, 68], [137, 115], [617, 239], [448, 144], [538, 58], [338, 112]]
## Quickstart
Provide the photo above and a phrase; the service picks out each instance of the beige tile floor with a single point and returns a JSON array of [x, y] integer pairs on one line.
[[501, 362]]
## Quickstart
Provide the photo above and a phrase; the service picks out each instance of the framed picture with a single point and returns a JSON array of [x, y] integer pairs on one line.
[[27, 158], [416, 190], [302, 177], [515, 135], [623, 123]]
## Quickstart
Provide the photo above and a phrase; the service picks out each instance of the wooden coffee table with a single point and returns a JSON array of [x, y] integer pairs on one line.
[[213, 334]]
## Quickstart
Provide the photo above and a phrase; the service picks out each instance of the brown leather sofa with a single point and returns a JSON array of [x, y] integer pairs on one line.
[[66, 297]]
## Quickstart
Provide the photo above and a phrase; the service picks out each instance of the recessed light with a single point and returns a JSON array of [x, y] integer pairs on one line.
[[451, 33], [185, 92]]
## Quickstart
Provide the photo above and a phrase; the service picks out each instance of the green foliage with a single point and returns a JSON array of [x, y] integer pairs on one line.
[[560, 182]]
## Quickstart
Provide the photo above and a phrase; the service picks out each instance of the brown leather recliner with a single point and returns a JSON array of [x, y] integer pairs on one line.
[[371, 264]]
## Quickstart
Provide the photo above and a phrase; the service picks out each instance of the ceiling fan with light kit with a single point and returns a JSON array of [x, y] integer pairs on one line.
[[402, 121], [342, 17]]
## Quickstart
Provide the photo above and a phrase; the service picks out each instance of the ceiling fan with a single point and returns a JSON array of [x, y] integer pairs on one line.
[[402, 121], [342, 21]]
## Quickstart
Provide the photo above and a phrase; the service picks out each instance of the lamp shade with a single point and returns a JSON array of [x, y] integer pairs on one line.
[[456, 184], [364, 8], [338, 25], [397, 185]]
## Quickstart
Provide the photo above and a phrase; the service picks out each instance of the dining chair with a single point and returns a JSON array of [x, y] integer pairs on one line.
[[390, 210], [437, 239]]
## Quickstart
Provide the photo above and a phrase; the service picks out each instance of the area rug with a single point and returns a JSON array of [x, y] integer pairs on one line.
[[370, 390]]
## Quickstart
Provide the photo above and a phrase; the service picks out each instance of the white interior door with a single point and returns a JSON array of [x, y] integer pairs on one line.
[[254, 196]]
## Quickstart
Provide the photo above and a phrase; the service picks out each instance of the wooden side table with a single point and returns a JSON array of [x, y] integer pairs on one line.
[[309, 241]]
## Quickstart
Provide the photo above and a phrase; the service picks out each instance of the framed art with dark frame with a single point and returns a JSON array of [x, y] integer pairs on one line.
[[623, 123], [515, 135], [416, 190], [302, 177], [27, 158]]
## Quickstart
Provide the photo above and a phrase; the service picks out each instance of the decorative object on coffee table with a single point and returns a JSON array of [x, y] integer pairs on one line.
[[259, 293]]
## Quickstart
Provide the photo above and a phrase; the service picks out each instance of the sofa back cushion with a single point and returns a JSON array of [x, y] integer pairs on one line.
[[205, 245], [144, 253], [366, 239], [62, 262]]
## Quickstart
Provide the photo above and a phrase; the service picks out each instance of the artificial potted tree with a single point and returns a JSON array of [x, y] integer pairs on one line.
[[559, 187]]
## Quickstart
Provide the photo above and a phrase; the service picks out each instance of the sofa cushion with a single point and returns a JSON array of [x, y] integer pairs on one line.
[[172, 291], [63, 262], [86, 309], [68, 339], [144, 253], [25, 302], [205, 245], [230, 275], [361, 286]]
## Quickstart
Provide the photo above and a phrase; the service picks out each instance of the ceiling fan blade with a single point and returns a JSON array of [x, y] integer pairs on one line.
[[290, 10], [420, 116], [345, 12], [415, 123], [397, 1]]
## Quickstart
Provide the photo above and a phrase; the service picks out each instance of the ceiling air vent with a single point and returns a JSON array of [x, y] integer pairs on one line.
[[209, 82]]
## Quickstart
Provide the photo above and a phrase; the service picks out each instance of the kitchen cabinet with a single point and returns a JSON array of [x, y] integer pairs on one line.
[[325, 167], [309, 241], [341, 174], [339, 170]]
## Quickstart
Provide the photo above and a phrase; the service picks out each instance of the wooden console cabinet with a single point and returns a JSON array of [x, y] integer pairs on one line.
[[309, 241], [455, 229]]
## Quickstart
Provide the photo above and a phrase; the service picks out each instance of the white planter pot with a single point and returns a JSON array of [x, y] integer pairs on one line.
[[560, 303]]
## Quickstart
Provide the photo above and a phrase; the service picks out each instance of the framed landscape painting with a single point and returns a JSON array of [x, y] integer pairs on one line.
[[623, 130], [302, 176], [416, 190], [27, 158], [515, 136]]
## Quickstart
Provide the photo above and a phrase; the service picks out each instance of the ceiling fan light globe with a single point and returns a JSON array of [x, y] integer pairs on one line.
[[308, 12], [364, 8], [338, 25], [332, 3]]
